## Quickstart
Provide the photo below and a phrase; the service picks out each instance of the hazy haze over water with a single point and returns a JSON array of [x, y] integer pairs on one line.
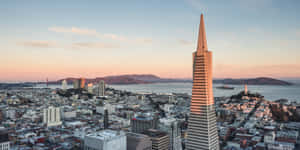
[[269, 91]]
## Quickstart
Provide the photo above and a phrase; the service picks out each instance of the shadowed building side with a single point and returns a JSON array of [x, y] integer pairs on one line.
[[202, 128], [106, 119], [4, 140], [136, 141]]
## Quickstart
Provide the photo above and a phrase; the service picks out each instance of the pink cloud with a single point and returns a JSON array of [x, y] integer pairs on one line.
[[93, 32], [74, 30], [95, 45], [38, 44]]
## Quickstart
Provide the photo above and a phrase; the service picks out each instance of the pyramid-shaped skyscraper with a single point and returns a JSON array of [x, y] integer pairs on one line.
[[202, 128]]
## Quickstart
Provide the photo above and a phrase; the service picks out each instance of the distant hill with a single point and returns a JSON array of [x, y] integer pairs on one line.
[[149, 78], [109, 80], [124, 79], [14, 85], [141, 77], [254, 81]]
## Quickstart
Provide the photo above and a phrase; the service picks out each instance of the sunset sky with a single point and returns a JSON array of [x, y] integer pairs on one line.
[[73, 38]]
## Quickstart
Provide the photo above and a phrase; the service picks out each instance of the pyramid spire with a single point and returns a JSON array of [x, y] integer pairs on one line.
[[202, 43], [202, 133]]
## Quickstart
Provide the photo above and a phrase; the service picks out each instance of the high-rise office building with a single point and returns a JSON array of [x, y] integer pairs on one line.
[[64, 85], [105, 140], [170, 125], [76, 84], [90, 88], [202, 129], [101, 88], [141, 123], [79, 83], [136, 141], [52, 116], [159, 139], [246, 89], [82, 83]]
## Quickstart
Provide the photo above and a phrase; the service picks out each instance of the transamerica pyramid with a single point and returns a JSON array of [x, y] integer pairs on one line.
[[202, 128]]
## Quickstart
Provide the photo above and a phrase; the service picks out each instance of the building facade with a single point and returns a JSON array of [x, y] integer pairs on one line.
[[4, 145], [82, 83], [159, 139], [170, 125], [136, 141], [141, 123], [202, 129], [64, 85], [281, 146], [76, 84], [4, 141], [101, 88], [52, 116], [90, 88]]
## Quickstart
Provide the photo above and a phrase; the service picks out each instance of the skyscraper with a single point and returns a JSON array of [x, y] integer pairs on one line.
[[82, 83], [90, 88], [101, 88], [64, 85], [202, 128], [76, 84]]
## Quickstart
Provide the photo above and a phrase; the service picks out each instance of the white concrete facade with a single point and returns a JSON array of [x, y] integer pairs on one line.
[[5, 146], [52, 116]]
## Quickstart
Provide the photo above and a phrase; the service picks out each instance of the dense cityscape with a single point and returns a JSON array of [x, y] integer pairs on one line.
[[94, 116], [77, 118]]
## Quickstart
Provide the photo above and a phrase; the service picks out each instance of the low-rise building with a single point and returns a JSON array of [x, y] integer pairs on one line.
[[281, 146], [269, 137]]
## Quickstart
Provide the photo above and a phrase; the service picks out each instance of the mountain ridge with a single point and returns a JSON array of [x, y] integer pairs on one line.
[[150, 78], [253, 81]]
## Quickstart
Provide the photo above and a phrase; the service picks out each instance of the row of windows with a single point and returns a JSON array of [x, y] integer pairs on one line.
[[4, 146]]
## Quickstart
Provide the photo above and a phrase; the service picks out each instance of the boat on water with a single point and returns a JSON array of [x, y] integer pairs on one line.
[[225, 87]]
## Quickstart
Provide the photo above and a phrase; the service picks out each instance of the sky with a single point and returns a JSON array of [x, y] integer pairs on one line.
[[94, 38]]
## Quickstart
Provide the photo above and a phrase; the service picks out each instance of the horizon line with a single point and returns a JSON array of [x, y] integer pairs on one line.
[[178, 78]]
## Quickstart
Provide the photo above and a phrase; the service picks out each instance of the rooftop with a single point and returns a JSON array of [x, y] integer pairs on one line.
[[167, 121], [289, 134], [146, 118], [154, 133], [136, 135], [106, 134]]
